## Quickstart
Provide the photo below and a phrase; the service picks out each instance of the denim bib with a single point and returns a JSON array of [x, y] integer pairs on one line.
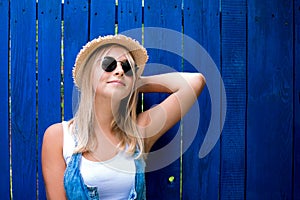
[[76, 189]]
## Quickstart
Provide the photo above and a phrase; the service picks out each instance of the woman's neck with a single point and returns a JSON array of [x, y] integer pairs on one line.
[[105, 113]]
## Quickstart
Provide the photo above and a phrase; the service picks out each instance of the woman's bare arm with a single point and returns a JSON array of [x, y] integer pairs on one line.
[[53, 163], [184, 89]]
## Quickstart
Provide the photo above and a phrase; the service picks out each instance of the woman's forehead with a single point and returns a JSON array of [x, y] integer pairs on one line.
[[118, 52]]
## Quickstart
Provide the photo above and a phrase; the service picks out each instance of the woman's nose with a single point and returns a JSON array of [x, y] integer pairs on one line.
[[119, 70]]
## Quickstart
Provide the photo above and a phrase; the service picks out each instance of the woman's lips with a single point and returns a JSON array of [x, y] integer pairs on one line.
[[117, 82]]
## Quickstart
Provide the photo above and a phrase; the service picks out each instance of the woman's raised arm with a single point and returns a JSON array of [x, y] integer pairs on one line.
[[184, 88]]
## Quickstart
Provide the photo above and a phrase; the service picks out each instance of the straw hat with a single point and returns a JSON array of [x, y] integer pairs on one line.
[[138, 52]]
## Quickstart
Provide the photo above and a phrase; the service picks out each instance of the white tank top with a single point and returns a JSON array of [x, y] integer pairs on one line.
[[114, 178]]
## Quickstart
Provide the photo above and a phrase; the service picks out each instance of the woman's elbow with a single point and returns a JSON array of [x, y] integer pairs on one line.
[[198, 83]]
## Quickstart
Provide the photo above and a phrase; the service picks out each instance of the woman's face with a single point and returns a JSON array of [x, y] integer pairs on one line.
[[112, 76]]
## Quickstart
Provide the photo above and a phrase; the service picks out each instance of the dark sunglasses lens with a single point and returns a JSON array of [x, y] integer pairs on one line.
[[109, 64], [127, 68]]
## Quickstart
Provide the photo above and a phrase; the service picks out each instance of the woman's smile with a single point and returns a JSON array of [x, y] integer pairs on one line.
[[117, 83]]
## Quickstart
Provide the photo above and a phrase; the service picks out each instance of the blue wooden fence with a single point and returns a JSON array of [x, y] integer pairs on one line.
[[255, 45]]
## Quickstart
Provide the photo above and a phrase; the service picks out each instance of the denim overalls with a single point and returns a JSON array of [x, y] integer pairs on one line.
[[76, 189]]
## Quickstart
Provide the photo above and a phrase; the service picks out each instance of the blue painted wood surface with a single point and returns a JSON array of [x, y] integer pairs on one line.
[[296, 178], [130, 16], [102, 18], [76, 34], [201, 23], [270, 100], [23, 99], [49, 73], [4, 105], [234, 75]]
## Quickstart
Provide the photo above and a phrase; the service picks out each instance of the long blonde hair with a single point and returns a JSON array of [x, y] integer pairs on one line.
[[124, 126]]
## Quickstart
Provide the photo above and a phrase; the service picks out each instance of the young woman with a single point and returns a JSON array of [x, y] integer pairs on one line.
[[99, 154]]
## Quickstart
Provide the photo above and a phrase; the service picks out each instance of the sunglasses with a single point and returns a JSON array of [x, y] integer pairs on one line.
[[109, 64]]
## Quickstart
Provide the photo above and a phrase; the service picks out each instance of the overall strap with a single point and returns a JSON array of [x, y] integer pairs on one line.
[[73, 182], [140, 184]]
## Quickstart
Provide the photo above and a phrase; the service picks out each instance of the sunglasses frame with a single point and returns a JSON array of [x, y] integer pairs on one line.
[[112, 65]]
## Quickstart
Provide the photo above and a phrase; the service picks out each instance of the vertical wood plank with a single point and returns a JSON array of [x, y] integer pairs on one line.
[[163, 14], [4, 99], [130, 16], [76, 34], [234, 70], [270, 100], [201, 176], [49, 73], [296, 100], [102, 18], [23, 98]]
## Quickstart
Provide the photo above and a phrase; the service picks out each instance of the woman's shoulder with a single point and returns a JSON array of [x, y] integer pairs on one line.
[[55, 128], [58, 129], [54, 134], [58, 136]]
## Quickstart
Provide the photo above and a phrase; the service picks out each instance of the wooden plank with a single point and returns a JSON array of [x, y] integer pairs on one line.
[[297, 100], [49, 73], [76, 34], [130, 16], [102, 18], [4, 99], [201, 176], [165, 182], [270, 100], [23, 98], [234, 71]]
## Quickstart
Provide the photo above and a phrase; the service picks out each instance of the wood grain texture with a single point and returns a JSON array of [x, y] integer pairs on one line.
[[162, 14], [200, 177], [102, 18], [23, 99], [130, 16], [234, 75], [270, 100], [49, 73], [296, 56], [4, 99], [76, 34]]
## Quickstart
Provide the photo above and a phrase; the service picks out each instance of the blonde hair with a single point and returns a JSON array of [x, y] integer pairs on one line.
[[124, 126]]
